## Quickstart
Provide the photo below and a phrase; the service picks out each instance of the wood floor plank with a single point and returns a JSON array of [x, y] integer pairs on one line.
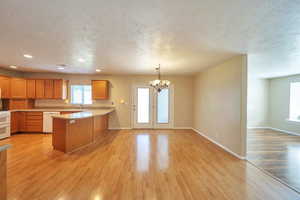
[[277, 153], [135, 164]]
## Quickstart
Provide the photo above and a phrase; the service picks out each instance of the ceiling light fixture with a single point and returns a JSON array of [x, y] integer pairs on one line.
[[13, 67], [28, 56], [61, 68], [81, 60], [159, 84], [98, 70]]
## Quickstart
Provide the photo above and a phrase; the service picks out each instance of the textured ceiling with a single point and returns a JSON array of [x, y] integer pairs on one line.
[[121, 36]]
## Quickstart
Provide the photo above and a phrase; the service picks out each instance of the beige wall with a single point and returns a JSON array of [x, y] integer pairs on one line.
[[279, 104], [121, 88], [220, 103]]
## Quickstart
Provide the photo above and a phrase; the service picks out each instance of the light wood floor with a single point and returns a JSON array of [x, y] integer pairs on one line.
[[277, 153], [141, 164]]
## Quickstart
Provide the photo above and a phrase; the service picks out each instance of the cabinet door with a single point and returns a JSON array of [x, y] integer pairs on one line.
[[48, 89], [14, 122], [18, 88], [5, 87], [58, 89], [31, 89], [22, 121], [100, 89], [40, 89]]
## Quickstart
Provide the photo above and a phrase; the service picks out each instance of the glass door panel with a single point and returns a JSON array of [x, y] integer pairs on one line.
[[163, 106], [143, 105]]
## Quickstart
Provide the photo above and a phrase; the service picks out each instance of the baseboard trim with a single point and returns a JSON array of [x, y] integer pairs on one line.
[[258, 127], [183, 128], [220, 145], [277, 129], [284, 131]]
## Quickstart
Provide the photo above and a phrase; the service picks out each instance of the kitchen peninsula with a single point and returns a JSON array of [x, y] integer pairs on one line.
[[73, 131]]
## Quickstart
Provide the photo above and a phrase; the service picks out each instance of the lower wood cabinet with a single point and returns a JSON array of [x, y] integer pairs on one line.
[[14, 122], [34, 121], [26, 122]]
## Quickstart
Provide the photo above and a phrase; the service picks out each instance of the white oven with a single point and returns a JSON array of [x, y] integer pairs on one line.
[[4, 124]]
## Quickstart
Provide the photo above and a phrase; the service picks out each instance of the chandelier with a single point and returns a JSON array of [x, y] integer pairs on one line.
[[159, 84]]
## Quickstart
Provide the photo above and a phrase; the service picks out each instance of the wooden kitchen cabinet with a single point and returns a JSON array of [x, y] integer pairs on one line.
[[60, 89], [30, 84], [18, 88], [40, 89], [22, 121], [49, 89], [100, 89], [34, 121], [5, 87], [14, 122], [26, 121]]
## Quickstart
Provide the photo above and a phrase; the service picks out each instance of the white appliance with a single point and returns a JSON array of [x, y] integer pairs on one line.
[[4, 124], [48, 121]]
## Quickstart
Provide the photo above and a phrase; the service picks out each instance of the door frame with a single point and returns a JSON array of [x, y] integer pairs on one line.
[[153, 108]]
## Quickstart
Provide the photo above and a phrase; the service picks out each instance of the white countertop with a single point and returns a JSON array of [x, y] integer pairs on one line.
[[4, 147], [85, 114]]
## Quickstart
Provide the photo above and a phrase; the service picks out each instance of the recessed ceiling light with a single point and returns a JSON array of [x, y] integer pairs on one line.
[[61, 68], [98, 70], [13, 67], [28, 56], [81, 60]]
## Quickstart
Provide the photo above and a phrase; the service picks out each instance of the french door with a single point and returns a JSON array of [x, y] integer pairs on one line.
[[152, 109]]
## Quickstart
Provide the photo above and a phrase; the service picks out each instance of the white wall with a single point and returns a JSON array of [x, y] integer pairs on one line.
[[220, 104], [279, 100]]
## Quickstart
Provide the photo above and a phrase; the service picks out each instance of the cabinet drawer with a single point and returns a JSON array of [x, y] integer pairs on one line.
[[34, 117], [34, 113], [34, 123]]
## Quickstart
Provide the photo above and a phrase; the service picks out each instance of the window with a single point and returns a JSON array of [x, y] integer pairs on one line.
[[81, 94], [295, 101]]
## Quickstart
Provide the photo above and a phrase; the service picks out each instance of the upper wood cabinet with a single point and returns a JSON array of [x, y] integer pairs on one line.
[[5, 87], [18, 88], [100, 89], [40, 89], [30, 89], [49, 89], [60, 89]]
